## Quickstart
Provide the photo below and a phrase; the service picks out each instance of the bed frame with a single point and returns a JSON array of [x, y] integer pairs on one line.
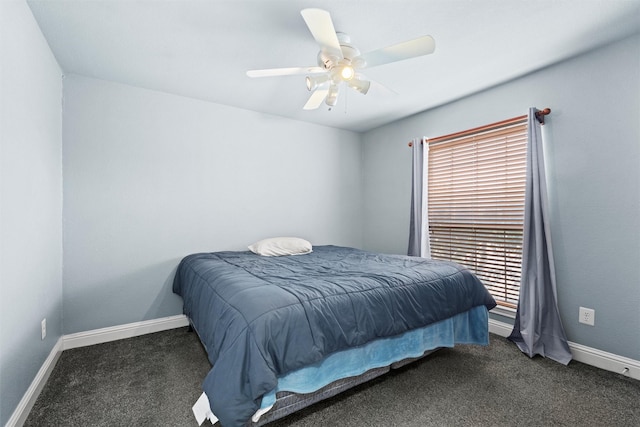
[[288, 403]]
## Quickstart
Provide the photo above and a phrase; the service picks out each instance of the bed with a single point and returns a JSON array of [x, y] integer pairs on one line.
[[282, 332]]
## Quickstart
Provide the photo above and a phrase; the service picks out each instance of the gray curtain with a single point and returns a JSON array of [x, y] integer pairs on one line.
[[538, 328], [418, 226]]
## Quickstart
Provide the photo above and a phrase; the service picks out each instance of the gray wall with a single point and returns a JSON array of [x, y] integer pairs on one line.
[[30, 202], [593, 160], [151, 177]]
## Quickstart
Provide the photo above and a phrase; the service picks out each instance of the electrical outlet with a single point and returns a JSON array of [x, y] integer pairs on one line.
[[43, 328], [587, 316]]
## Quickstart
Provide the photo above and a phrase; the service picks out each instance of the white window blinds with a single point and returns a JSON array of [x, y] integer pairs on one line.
[[476, 187]]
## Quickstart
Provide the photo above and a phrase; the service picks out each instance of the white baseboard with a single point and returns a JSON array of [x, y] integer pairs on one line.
[[113, 333], [21, 412], [607, 361], [500, 328], [587, 355], [83, 339]]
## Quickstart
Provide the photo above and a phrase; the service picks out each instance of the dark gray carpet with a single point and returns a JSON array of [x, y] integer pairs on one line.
[[154, 380], [151, 380]]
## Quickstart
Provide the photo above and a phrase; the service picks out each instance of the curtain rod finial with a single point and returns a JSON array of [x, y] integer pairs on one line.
[[541, 113]]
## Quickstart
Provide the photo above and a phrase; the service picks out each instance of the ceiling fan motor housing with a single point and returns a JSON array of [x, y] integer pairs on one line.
[[350, 55]]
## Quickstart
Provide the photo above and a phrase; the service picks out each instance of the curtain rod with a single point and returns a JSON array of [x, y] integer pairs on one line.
[[539, 115]]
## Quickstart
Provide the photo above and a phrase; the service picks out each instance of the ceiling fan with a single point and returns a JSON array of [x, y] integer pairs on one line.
[[340, 62]]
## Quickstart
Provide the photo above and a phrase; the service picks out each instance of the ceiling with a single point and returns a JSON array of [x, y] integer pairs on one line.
[[203, 48]]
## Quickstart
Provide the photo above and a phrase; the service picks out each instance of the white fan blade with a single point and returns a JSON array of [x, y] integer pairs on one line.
[[316, 99], [410, 49], [379, 89], [291, 71], [321, 27]]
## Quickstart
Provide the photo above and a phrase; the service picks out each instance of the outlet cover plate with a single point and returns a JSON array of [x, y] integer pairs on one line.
[[587, 316]]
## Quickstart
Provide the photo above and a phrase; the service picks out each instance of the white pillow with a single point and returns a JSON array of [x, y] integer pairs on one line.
[[278, 246]]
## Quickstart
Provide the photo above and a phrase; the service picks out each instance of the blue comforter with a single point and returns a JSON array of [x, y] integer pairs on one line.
[[261, 317]]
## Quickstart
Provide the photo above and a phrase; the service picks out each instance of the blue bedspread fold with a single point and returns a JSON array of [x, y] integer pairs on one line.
[[262, 317]]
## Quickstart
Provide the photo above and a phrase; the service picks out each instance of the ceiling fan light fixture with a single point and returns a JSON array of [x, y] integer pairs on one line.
[[314, 82], [361, 86], [332, 96], [347, 73]]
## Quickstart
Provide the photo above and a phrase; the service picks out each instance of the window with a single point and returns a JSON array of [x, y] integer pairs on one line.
[[476, 188]]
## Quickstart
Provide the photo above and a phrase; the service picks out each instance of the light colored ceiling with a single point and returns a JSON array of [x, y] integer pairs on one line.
[[203, 48]]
